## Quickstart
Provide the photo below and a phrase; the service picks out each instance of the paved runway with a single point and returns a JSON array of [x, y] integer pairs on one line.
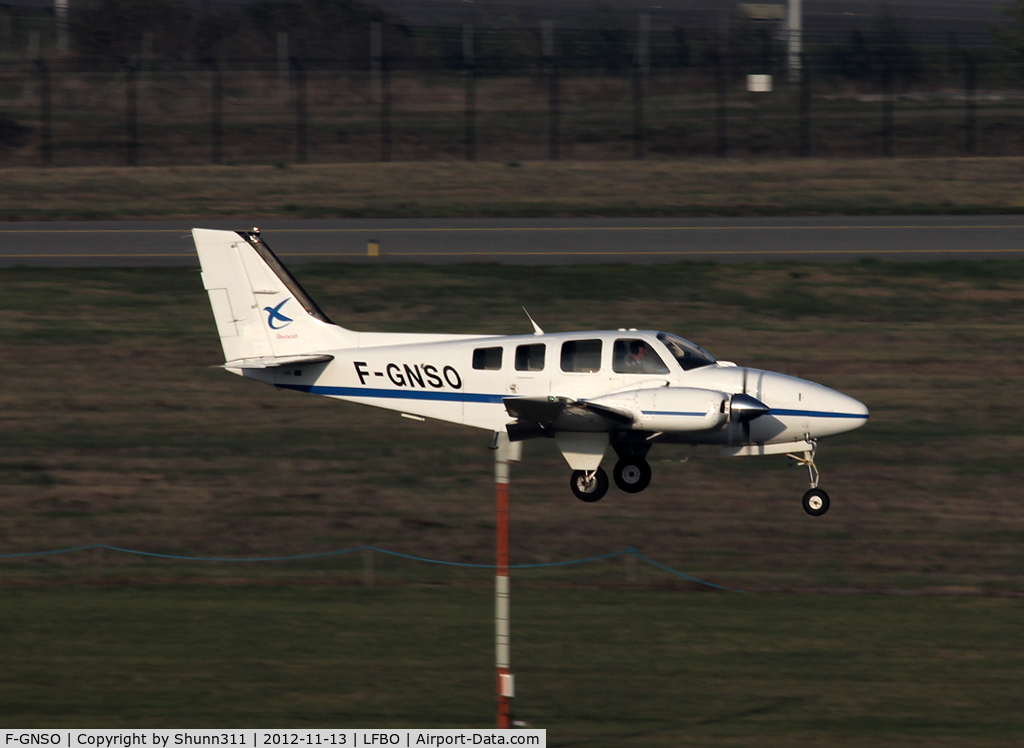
[[530, 241]]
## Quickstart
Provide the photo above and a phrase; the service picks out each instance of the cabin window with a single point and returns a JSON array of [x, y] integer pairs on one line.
[[636, 357], [487, 358], [530, 357], [581, 355]]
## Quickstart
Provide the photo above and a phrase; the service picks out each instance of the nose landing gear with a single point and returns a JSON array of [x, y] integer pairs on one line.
[[815, 501]]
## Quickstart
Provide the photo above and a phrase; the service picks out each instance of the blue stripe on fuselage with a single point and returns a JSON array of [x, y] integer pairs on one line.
[[476, 397], [464, 397], [670, 413], [813, 413]]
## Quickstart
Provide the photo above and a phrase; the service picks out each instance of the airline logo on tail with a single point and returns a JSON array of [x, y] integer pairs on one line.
[[274, 313]]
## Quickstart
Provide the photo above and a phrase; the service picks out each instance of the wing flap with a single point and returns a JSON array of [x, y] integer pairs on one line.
[[541, 416]]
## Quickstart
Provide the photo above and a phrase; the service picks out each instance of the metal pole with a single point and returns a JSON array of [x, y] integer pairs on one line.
[[131, 109], [45, 114], [60, 11], [301, 119], [551, 72], [721, 85], [469, 71], [722, 110], [146, 61], [375, 55], [505, 452], [640, 67], [887, 124], [283, 59], [970, 119], [381, 84], [385, 111], [805, 109], [794, 24], [217, 115], [638, 113]]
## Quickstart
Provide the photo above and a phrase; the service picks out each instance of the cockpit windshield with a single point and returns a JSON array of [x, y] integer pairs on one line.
[[688, 355]]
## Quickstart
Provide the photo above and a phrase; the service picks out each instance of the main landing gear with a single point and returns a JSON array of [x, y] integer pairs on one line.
[[815, 501], [631, 474], [589, 485]]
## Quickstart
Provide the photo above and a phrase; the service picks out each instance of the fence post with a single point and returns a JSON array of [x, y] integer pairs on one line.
[[382, 84], [722, 108], [385, 111], [216, 113], [60, 11], [469, 71], [887, 104], [146, 62], [638, 113], [804, 148], [640, 65], [970, 119], [368, 573], [283, 59], [6, 34], [551, 73], [794, 39], [301, 118], [45, 114], [131, 111]]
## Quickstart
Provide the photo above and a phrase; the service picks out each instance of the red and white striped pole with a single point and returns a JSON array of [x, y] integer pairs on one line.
[[505, 452]]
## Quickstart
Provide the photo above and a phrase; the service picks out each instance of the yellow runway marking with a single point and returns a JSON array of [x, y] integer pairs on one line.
[[521, 228], [710, 252], [98, 254], [690, 252]]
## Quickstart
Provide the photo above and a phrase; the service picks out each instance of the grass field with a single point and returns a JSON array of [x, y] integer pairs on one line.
[[528, 188], [593, 667], [117, 429]]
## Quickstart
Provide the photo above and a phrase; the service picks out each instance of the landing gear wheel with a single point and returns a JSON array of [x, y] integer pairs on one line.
[[589, 486], [632, 474], [816, 502]]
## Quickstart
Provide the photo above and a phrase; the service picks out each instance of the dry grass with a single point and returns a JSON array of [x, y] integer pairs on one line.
[[538, 188]]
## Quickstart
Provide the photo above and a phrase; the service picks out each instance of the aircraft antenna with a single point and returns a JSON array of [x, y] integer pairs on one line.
[[536, 327]]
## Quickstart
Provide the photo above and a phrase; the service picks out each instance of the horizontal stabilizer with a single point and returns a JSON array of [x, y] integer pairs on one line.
[[270, 362]]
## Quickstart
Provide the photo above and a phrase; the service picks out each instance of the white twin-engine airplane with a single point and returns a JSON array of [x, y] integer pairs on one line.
[[628, 389]]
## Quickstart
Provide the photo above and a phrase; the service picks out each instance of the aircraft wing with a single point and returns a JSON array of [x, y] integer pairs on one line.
[[270, 362], [541, 416]]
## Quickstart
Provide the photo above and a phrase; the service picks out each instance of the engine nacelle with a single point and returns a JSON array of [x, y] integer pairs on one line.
[[672, 408]]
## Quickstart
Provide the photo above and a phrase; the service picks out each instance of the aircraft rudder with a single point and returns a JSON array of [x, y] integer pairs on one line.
[[261, 309]]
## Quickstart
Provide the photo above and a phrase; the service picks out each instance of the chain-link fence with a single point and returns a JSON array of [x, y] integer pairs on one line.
[[511, 95]]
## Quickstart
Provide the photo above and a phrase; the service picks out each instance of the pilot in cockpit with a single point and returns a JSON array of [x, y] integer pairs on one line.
[[637, 355]]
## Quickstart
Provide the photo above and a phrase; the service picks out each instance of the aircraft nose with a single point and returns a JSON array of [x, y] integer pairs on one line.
[[812, 409], [835, 413]]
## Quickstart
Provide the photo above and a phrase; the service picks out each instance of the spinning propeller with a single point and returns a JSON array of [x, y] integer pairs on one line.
[[743, 409]]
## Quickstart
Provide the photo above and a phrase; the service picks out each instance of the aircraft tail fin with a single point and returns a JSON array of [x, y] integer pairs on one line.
[[262, 312]]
